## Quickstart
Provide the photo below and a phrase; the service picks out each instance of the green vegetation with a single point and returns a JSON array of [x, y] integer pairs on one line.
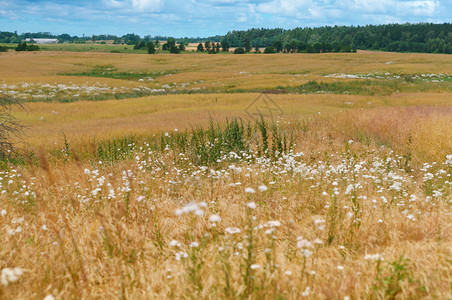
[[24, 47], [422, 37], [109, 71], [370, 87]]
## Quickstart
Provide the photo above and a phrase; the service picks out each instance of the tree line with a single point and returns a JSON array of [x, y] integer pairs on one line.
[[421, 37]]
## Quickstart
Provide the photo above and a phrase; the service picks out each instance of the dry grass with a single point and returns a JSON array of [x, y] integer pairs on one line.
[[73, 237], [81, 121], [372, 169]]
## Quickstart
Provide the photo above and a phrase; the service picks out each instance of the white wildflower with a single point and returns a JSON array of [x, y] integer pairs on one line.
[[251, 205], [274, 223], [262, 188], [232, 230], [174, 243], [214, 218], [249, 190], [10, 275], [374, 257]]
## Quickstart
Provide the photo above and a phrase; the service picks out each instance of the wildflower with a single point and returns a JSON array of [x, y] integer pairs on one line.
[[306, 253], [232, 230], [304, 244], [255, 266], [251, 205], [318, 241], [49, 297], [249, 190], [262, 188], [306, 292], [320, 224], [411, 217], [214, 218], [340, 268], [3, 213], [374, 257], [194, 245], [274, 223], [181, 255], [10, 275], [174, 243]]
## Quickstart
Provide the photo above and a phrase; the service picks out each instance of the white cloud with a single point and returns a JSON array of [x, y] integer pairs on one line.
[[210, 17], [420, 8], [294, 8], [392, 8], [114, 3], [148, 5]]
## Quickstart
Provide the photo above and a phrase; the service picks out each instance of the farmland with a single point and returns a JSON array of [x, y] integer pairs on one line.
[[150, 176]]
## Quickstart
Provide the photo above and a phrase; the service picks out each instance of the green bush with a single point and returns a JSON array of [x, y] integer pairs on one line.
[[269, 50], [239, 50]]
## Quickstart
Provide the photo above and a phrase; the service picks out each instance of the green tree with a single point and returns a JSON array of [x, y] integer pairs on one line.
[[200, 48], [257, 49], [277, 46], [239, 50], [207, 46], [174, 49], [225, 45], [247, 45], [22, 46], [269, 50], [139, 45], [151, 48]]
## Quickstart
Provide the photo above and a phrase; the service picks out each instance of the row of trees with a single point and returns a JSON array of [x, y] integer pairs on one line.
[[276, 47], [422, 37], [153, 46], [212, 47]]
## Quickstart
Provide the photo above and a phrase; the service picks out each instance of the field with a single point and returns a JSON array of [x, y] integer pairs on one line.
[[318, 176]]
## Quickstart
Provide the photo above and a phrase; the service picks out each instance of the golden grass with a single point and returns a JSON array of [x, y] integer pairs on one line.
[[73, 238], [82, 120], [15, 66], [76, 241]]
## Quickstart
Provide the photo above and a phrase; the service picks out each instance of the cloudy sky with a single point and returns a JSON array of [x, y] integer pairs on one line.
[[208, 17]]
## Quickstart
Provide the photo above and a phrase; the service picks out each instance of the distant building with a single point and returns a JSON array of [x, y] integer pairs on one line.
[[42, 41]]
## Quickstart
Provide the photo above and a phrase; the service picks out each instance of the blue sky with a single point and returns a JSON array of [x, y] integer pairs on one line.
[[204, 18]]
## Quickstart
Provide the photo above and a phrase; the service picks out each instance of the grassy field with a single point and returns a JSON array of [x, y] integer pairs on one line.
[[288, 176]]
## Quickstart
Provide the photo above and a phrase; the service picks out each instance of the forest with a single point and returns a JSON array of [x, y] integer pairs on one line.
[[421, 38]]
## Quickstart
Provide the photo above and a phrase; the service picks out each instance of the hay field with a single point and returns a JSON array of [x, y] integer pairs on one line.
[[153, 176]]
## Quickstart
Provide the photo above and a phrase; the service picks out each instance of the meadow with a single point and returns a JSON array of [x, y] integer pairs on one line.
[[287, 176]]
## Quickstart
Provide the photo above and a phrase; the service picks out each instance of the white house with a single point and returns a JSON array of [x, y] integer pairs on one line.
[[42, 41]]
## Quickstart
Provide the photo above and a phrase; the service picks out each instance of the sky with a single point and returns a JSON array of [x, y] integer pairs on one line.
[[203, 18]]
